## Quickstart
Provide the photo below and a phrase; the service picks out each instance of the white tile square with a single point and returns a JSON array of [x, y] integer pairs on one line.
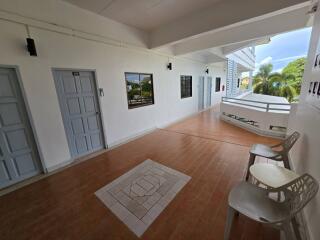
[[145, 184], [139, 196], [155, 211], [120, 211], [106, 198]]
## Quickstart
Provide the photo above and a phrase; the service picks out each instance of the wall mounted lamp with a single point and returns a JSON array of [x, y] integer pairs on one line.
[[31, 46]]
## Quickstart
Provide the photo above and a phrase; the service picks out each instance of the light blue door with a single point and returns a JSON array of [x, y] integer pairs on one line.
[[80, 109], [19, 158], [201, 94], [209, 91]]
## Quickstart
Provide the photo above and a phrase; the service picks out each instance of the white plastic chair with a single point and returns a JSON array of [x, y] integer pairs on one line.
[[255, 203], [271, 152]]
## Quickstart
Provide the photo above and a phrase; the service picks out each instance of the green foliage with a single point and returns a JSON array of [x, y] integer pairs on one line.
[[136, 91], [296, 68], [282, 83], [261, 80], [285, 84], [244, 83]]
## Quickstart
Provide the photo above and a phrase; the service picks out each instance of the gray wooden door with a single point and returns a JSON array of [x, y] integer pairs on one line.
[[80, 109], [201, 94], [19, 158], [209, 91]]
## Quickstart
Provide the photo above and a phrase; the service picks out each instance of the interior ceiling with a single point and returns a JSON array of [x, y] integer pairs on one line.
[[143, 14]]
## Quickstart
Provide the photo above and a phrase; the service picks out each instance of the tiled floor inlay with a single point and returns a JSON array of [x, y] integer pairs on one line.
[[140, 195]]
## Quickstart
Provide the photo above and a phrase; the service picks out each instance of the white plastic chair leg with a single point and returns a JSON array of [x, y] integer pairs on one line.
[[288, 231], [230, 216]]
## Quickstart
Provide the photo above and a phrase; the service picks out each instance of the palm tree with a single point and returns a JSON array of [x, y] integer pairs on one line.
[[284, 82], [261, 80], [275, 84]]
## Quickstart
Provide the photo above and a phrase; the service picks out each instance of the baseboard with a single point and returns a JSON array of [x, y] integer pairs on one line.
[[59, 165], [122, 141], [147, 131], [130, 138], [168, 124], [75, 160], [71, 162], [50, 171], [111, 146]]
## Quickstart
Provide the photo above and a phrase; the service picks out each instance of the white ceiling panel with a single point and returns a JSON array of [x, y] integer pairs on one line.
[[143, 14], [91, 5]]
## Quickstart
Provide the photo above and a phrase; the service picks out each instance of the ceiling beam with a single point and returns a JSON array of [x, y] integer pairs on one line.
[[250, 31], [219, 15], [212, 58], [238, 46]]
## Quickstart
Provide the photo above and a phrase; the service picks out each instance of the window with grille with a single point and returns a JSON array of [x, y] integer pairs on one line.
[[186, 86]]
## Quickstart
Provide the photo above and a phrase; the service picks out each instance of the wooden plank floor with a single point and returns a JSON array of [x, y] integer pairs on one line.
[[213, 153]]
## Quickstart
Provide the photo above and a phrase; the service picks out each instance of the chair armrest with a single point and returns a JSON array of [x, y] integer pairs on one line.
[[282, 192], [277, 145]]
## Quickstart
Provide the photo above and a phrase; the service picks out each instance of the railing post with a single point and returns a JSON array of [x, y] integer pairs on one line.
[[267, 107]]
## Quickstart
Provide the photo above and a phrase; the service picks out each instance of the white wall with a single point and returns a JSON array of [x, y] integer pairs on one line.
[[218, 70], [305, 119], [215, 70], [61, 51]]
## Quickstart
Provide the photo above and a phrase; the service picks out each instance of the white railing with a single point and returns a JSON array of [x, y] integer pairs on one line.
[[264, 106], [265, 118]]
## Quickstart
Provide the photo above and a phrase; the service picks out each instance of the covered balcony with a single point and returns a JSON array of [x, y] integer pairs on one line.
[[124, 119]]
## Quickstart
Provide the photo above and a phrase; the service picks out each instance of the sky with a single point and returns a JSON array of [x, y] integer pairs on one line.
[[283, 49]]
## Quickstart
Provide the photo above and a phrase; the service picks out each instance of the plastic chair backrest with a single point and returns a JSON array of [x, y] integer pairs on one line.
[[290, 141], [299, 192]]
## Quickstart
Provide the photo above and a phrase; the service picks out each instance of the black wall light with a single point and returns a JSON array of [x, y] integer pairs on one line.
[[31, 46], [207, 71], [169, 66]]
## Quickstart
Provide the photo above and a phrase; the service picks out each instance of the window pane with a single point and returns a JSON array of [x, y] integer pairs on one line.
[[146, 89], [139, 89], [133, 88]]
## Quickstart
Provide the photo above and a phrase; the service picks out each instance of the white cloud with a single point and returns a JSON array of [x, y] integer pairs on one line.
[[266, 61], [288, 58], [262, 62], [270, 60]]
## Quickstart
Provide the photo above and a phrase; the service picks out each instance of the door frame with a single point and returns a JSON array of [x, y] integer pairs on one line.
[[209, 92], [201, 80], [41, 163], [94, 72]]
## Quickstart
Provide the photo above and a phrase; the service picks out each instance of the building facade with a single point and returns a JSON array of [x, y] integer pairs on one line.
[[239, 64]]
